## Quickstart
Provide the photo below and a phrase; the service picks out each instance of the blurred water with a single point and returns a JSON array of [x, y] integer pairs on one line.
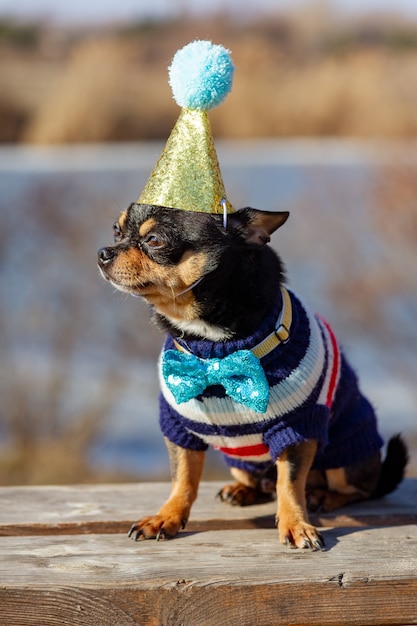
[[57, 207]]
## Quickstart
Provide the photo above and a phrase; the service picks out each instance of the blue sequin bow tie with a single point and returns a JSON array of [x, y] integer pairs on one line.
[[241, 374]]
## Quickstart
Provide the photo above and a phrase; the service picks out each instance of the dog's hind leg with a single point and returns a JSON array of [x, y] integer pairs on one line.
[[363, 480], [344, 485]]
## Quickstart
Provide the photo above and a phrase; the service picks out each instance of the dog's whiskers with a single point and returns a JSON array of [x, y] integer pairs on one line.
[[194, 284]]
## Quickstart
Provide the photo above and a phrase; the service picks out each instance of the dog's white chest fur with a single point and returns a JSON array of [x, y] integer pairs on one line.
[[202, 329]]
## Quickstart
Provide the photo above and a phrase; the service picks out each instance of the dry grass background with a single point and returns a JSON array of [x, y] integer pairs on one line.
[[297, 74]]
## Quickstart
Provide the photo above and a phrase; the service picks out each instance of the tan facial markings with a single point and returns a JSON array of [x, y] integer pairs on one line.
[[191, 267], [122, 219], [126, 269], [160, 285], [147, 226]]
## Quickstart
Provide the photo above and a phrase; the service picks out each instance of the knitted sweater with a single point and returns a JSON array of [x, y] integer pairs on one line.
[[314, 394]]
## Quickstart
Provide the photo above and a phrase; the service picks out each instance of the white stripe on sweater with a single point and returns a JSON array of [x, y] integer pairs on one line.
[[218, 441], [333, 366], [286, 396], [240, 441]]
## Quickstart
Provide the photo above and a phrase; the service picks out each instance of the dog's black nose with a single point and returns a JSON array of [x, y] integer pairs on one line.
[[106, 255]]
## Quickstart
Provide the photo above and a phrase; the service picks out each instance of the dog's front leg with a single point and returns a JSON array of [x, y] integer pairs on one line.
[[293, 526], [186, 468]]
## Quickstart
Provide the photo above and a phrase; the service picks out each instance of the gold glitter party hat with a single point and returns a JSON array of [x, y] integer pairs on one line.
[[187, 175]]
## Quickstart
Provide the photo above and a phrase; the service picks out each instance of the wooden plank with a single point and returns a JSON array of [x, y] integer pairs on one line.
[[112, 508], [245, 577]]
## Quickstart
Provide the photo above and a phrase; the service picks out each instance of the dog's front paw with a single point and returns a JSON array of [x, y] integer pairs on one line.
[[156, 527], [300, 535]]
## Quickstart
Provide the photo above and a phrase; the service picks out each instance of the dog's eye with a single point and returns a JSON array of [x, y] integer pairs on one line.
[[153, 242], [117, 233]]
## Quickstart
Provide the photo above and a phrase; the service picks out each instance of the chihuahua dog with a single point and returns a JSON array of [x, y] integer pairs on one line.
[[248, 369]]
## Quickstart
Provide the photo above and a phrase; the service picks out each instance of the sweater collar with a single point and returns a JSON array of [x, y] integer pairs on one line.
[[206, 349]]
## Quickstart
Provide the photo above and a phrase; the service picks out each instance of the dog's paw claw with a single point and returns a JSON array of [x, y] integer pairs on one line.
[[134, 530], [136, 533], [319, 544], [301, 535], [156, 527]]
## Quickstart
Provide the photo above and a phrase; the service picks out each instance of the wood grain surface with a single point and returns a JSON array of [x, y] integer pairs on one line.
[[226, 568]]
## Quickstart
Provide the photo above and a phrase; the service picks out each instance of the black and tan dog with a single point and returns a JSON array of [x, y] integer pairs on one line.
[[214, 288]]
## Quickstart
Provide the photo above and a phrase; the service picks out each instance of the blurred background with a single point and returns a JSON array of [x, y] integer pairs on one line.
[[322, 121]]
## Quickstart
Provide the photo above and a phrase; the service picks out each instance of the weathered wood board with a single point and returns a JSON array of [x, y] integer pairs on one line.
[[112, 509], [214, 573]]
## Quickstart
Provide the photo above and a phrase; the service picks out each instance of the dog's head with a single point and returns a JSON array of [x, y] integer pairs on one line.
[[167, 255]]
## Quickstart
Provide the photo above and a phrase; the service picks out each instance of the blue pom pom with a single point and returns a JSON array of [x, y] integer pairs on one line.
[[201, 75]]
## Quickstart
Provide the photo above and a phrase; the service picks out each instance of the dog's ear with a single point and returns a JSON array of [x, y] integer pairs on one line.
[[257, 226]]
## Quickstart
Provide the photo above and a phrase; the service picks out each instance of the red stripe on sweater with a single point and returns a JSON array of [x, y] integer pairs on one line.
[[336, 364], [256, 450]]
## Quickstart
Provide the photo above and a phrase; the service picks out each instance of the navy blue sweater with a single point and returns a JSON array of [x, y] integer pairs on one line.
[[314, 394]]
